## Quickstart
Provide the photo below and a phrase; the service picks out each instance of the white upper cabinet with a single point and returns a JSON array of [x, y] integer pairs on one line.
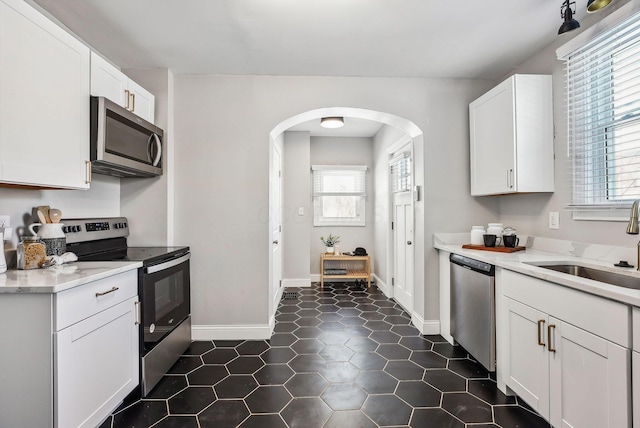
[[109, 82], [511, 131], [44, 101]]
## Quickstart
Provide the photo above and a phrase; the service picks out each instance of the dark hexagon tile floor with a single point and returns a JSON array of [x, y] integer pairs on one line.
[[340, 357]]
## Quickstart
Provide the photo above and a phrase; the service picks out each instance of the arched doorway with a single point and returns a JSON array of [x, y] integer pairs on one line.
[[411, 133]]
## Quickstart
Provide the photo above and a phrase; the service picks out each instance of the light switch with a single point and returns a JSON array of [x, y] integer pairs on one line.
[[300, 210], [554, 220]]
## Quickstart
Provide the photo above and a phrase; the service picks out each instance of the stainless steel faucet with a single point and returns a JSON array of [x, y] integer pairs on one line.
[[632, 227]]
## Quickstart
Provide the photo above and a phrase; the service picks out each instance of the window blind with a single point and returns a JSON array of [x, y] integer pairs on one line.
[[337, 180], [400, 167], [603, 100]]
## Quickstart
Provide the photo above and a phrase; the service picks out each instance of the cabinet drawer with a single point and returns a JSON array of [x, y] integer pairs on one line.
[[86, 300], [602, 317]]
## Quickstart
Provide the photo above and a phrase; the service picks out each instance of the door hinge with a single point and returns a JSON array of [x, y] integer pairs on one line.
[[279, 173], [391, 225], [280, 285], [393, 281], [280, 228]]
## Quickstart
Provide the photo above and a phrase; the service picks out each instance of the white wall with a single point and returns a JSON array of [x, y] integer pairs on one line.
[[102, 199], [296, 178], [222, 142], [344, 151], [530, 213], [145, 201]]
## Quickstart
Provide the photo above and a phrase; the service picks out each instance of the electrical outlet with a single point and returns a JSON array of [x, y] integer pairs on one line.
[[5, 221], [554, 220], [8, 232]]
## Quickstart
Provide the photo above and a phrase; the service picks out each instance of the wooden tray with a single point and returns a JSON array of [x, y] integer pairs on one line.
[[496, 249]]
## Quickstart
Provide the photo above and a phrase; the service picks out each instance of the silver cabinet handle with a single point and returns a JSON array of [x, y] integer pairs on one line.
[[133, 102], [88, 166], [511, 179], [540, 333], [107, 292], [550, 334], [128, 96], [138, 314]]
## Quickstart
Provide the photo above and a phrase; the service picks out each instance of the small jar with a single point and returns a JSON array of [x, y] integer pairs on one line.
[[495, 229], [476, 235], [31, 253]]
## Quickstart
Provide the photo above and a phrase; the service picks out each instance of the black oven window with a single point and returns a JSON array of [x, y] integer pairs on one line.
[[169, 295]]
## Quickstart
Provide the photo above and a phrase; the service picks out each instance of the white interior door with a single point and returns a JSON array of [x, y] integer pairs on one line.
[[403, 250], [276, 227]]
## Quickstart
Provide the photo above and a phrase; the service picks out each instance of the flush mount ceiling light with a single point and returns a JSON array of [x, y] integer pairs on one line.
[[596, 5], [566, 12], [332, 122]]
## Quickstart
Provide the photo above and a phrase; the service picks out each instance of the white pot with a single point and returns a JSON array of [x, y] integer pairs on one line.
[[330, 250]]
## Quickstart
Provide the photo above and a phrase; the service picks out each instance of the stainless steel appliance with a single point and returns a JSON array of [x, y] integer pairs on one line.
[[473, 308], [163, 289], [123, 144]]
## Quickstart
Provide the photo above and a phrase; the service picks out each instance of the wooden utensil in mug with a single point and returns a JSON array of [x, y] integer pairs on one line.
[[45, 211], [55, 215], [41, 216]]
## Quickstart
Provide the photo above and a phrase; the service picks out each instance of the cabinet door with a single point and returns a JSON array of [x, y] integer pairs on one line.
[[44, 106], [636, 389], [96, 366], [589, 379], [492, 132], [142, 102], [107, 81], [528, 362]]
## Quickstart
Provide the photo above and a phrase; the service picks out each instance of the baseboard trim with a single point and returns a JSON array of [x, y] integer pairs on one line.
[[232, 332], [314, 277], [382, 286], [426, 327], [296, 282]]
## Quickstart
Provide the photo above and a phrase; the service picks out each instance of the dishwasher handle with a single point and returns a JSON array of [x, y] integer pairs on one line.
[[472, 264]]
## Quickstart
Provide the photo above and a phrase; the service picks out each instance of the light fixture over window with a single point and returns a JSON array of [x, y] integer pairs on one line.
[[569, 23], [332, 122], [596, 5]]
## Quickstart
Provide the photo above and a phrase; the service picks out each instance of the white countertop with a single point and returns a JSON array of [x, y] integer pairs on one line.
[[598, 256], [60, 278]]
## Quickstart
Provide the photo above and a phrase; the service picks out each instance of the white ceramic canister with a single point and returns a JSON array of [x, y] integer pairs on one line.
[[476, 235], [495, 229]]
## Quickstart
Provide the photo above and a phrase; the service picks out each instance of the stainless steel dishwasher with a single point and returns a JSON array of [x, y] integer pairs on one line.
[[473, 308]]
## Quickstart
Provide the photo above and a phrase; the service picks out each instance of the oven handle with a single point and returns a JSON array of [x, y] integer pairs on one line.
[[167, 265]]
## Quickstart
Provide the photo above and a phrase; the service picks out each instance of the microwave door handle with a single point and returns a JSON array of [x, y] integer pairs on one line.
[[167, 265], [153, 138]]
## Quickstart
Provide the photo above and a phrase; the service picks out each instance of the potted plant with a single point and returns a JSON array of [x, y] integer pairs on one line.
[[330, 242]]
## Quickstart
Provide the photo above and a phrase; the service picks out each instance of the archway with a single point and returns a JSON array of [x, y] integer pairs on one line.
[[412, 133]]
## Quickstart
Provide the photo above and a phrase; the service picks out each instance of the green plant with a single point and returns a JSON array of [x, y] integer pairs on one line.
[[330, 241]]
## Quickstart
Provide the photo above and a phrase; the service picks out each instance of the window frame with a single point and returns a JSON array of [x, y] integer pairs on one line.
[[359, 173], [591, 147]]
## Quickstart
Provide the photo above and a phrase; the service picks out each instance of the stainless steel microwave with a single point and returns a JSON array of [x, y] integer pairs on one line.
[[123, 144]]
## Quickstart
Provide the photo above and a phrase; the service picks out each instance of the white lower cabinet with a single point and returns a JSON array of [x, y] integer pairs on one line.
[[70, 358], [96, 365], [571, 376]]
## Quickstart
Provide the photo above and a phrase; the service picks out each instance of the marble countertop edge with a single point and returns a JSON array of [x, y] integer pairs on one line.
[[59, 278]]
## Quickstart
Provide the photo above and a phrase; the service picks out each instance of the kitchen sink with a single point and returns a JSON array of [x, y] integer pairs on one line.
[[595, 274]]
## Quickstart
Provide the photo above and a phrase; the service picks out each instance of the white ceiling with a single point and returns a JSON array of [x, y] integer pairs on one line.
[[372, 38], [382, 38]]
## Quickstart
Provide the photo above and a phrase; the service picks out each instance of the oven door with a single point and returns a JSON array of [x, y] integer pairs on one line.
[[165, 298]]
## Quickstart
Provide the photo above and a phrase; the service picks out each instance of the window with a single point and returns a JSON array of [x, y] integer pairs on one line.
[[603, 89], [401, 173], [339, 194]]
